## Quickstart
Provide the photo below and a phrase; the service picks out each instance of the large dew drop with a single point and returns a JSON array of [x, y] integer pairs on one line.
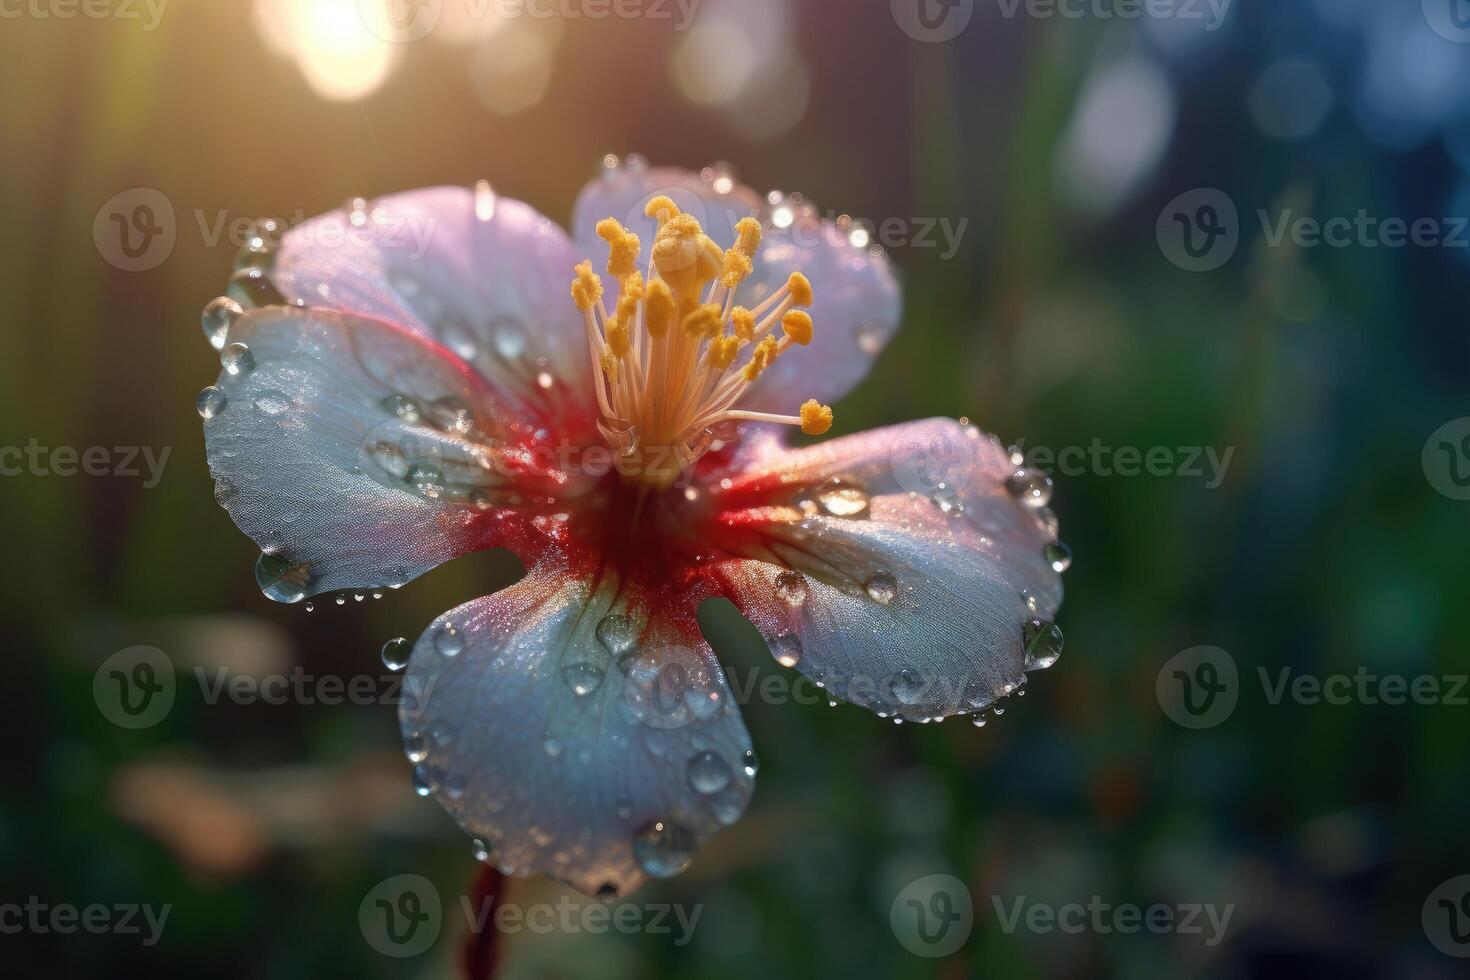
[[211, 402], [1031, 487], [791, 586], [395, 653], [218, 316], [1059, 556], [236, 359], [882, 588], [448, 641], [663, 848], [582, 678], [280, 579], [616, 634], [844, 501], [787, 650], [708, 773], [1043, 644]]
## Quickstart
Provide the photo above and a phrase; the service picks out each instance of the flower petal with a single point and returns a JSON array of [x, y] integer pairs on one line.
[[578, 729], [894, 567], [485, 276], [857, 304], [357, 455]]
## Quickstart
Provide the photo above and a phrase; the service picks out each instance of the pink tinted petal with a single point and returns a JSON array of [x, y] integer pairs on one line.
[[855, 310], [893, 566], [483, 275], [357, 455], [577, 730]]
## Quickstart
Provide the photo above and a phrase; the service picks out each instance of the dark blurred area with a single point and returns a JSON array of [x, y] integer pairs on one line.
[[1204, 261]]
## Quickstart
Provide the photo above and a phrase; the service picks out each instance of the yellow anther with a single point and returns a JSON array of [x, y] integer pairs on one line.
[[737, 267], [801, 289], [743, 321], [622, 256], [587, 287], [627, 308], [722, 352], [632, 285], [658, 308], [748, 236], [609, 363], [703, 321], [619, 339], [761, 358], [797, 324], [610, 230], [661, 209], [816, 418]]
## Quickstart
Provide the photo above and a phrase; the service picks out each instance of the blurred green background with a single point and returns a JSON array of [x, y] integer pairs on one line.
[[1059, 151]]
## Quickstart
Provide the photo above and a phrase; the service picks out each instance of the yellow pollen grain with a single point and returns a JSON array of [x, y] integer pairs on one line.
[[816, 418], [703, 321], [748, 236], [797, 324], [619, 340], [610, 230], [761, 358], [722, 352], [737, 267]]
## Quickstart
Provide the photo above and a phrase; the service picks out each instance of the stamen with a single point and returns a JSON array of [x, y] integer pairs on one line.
[[659, 390]]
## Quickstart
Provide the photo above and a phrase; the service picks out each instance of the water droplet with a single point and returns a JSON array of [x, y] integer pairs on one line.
[[708, 773], [552, 747], [787, 650], [907, 686], [978, 721], [750, 762], [252, 288], [791, 586], [310, 607], [280, 579], [1059, 556], [582, 678], [389, 458], [1047, 518], [1033, 605], [844, 501], [544, 379], [663, 848], [403, 407], [272, 403], [423, 781], [458, 335], [479, 849], [882, 588], [978, 695], [448, 641], [1043, 644], [211, 402], [236, 359], [1031, 487], [395, 653], [510, 342], [416, 747], [615, 632], [219, 315]]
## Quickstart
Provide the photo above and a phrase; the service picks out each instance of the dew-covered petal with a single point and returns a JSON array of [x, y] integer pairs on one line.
[[894, 567], [857, 302], [576, 730], [356, 455], [483, 275]]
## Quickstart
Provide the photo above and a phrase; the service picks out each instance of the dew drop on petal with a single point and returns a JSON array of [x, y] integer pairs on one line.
[[448, 641], [615, 632], [272, 403], [1043, 644], [787, 650], [416, 747], [423, 781], [582, 678], [708, 772], [1059, 556], [552, 747], [280, 579], [236, 359], [791, 586], [844, 501], [479, 849], [403, 407], [882, 588], [218, 317], [750, 762], [395, 653], [1031, 487], [907, 686], [663, 848], [211, 402]]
